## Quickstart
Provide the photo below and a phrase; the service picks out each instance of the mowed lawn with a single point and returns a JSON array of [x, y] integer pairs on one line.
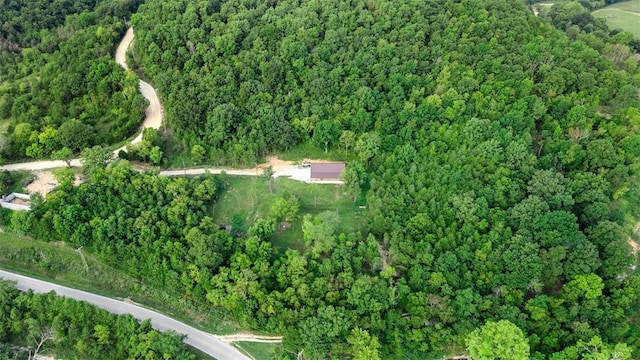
[[624, 15], [247, 198]]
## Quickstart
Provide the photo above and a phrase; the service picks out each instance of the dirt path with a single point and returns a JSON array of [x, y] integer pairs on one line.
[[153, 113], [281, 168], [249, 338], [153, 119], [45, 182], [618, 10], [121, 51], [538, 6], [635, 247]]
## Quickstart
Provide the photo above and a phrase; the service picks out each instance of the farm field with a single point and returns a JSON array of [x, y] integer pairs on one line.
[[623, 15]]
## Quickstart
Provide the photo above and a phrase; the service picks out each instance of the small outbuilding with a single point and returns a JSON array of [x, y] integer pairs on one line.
[[329, 172], [16, 201]]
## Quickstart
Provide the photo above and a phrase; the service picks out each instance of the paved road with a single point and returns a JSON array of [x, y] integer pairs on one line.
[[200, 340]]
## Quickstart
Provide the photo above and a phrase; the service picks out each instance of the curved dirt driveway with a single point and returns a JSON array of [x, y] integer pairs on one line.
[[153, 113], [200, 340]]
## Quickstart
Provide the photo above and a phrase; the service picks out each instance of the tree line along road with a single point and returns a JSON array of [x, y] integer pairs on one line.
[[205, 342]]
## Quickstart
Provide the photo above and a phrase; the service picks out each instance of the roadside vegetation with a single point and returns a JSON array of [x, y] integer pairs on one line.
[[14, 181], [46, 324], [259, 351], [62, 264]]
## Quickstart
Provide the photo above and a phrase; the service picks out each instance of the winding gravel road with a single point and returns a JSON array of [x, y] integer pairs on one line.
[[153, 112], [200, 340]]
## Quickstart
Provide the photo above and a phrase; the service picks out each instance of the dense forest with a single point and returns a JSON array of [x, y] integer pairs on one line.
[[495, 151], [244, 78], [59, 85], [45, 323]]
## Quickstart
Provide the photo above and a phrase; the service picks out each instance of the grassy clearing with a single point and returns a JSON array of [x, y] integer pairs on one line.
[[308, 151], [259, 351], [623, 15], [630, 5], [61, 264], [617, 19], [248, 198]]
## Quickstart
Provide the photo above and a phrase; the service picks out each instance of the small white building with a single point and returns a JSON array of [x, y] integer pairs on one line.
[[16, 201]]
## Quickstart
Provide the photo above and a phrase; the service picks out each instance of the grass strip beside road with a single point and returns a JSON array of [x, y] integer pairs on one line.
[[63, 265], [259, 351]]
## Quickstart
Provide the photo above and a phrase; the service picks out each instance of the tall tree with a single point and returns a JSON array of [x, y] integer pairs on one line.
[[498, 340]]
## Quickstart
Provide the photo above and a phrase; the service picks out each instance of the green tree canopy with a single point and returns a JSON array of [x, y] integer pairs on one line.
[[498, 340]]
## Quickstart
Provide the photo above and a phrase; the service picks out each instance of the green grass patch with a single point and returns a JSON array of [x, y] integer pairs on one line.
[[4, 128], [175, 156], [248, 198], [629, 205], [623, 15], [21, 179], [259, 351], [61, 264], [309, 151], [630, 5]]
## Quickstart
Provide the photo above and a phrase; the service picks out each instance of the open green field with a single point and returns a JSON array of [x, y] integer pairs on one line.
[[630, 5], [247, 198], [623, 15]]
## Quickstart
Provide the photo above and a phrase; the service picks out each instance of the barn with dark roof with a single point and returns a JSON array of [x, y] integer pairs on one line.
[[327, 171]]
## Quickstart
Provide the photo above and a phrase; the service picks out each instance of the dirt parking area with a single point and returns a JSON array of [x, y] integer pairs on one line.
[[291, 169], [44, 182]]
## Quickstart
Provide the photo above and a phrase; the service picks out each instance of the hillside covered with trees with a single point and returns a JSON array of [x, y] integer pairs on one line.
[[498, 154], [59, 85]]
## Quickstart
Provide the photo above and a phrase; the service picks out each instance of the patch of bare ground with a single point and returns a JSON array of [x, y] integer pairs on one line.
[[249, 338], [277, 164], [632, 240], [383, 257], [44, 182]]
